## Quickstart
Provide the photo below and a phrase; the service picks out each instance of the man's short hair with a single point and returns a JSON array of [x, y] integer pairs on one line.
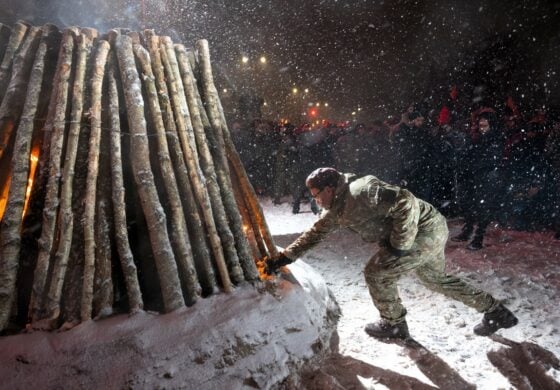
[[323, 177]]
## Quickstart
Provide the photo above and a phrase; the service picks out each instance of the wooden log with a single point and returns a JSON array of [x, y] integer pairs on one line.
[[12, 104], [100, 61], [10, 237], [16, 39], [103, 283], [209, 169], [5, 33], [211, 95], [195, 227], [54, 174], [213, 135], [184, 130], [153, 211], [129, 269], [179, 235]]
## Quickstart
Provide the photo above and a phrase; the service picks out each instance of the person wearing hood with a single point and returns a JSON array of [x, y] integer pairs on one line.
[[482, 191], [411, 235]]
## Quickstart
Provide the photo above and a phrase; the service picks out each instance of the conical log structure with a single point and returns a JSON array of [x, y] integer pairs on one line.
[[120, 187]]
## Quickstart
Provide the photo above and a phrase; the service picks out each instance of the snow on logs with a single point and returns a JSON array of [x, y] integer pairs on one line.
[[120, 187]]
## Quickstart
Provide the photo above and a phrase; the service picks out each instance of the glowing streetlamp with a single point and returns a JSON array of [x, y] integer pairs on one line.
[[294, 90], [306, 90], [326, 104], [244, 59], [263, 60]]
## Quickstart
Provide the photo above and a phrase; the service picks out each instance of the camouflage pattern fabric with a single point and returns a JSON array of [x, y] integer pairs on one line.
[[383, 213]]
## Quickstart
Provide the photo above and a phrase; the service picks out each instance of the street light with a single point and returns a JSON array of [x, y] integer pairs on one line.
[[294, 90], [263, 60], [326, 104], [244, 59], [306, 90]]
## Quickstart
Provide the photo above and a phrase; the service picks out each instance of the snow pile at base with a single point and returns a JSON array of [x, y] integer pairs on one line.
[[520, 268], [246, 339]]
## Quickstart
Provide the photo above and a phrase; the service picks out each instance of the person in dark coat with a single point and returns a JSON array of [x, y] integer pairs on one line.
[[481, 193]]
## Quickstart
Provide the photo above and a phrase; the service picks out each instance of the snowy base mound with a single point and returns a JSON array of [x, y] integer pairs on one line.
[[247, 338]]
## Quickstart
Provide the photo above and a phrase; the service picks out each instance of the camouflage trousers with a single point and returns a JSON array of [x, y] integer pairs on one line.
[[427, 259]]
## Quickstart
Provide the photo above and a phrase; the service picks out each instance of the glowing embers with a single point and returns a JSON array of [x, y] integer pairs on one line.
[[33, 160]]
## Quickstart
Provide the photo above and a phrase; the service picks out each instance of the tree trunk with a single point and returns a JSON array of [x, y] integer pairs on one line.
[[16, 38], [103, 283], [100, 62], [196, 230], [12, 104], [10, 228], [54, 173], [208, 167], [5, 33], [130, 272], [184, 129], [179, 236], [216, 141], [155, 217], [218, 118]]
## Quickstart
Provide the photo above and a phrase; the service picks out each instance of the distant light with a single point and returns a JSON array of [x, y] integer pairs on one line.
[[294, 90], [263, 60], [353, 112], [326, 104], [225, 90], [265, 104], [359, 108], [306, 90], [245, 59], [318, 104]]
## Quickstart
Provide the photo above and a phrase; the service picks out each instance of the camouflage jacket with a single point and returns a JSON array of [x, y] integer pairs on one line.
[[376, 210]]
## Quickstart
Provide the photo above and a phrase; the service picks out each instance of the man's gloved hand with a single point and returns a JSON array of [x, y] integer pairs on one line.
[[394, 251], [273, 264]]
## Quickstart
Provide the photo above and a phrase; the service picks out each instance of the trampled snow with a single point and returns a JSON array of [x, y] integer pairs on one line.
[[520, 268]]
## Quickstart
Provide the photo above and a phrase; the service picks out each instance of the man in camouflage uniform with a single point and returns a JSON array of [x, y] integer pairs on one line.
[[412, 236]]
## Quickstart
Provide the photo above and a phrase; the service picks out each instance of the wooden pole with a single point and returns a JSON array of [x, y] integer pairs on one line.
[[215, 141], [89, 219], [54, 173], [179, 235], [155, 217], [10, 228], [184, 130], [16, 39], [217, 119], [196, 229], [216, 195], [129, 269]]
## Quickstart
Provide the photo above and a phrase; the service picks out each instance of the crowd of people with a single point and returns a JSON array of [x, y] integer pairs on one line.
[[488, 165]]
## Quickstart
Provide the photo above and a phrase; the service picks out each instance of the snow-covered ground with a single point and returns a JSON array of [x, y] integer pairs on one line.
[[520, 268]]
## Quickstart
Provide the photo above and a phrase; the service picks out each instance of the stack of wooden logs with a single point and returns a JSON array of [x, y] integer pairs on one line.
[[138, 199]]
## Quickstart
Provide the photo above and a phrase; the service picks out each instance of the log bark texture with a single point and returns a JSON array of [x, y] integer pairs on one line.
[[100, 62], [216, 141], [54, 173], [196, 229], [209, 169], [10, 228], [128, 266], [153, 211], [188, 144], [16, 39], [179, 235], [219, 119]]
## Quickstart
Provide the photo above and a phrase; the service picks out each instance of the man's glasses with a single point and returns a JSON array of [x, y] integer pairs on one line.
[[317, 194]]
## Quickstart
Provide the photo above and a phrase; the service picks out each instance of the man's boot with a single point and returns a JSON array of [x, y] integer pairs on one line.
[[496, 319], [476, 243], [384, 330], [465, 233], [295, 208]]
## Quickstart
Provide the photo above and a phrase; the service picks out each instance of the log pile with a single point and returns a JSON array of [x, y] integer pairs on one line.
[[120, 186]]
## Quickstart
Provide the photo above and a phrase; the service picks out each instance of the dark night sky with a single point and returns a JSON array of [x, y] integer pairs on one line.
[[379, 55]]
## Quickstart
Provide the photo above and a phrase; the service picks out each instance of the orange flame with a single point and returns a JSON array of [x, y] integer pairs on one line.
[[33, 160]]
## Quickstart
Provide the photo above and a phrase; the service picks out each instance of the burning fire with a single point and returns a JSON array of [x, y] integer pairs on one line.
[[33, 160]]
